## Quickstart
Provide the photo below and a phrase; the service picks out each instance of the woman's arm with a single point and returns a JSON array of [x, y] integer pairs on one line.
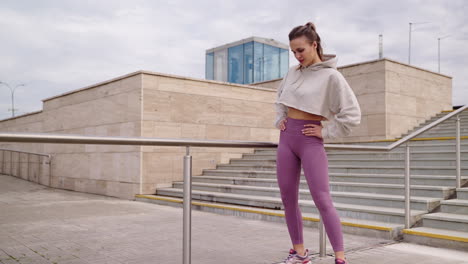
[[343, 103], [281, 110]]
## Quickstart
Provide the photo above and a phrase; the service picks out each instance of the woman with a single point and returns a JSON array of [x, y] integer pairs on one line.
[[309, 93]]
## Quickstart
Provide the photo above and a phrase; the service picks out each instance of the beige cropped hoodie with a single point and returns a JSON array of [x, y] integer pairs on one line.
[[320, 89]]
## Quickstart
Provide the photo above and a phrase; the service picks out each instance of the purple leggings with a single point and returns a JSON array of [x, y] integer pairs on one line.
[[295, 148]]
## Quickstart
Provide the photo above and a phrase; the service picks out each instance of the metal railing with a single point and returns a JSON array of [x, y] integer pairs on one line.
[[31, 174], [74, 139]]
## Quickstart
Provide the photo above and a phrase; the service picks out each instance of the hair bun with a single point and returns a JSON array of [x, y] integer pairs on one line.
[[311, 25]]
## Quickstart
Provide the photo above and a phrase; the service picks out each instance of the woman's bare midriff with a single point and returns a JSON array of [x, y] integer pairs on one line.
[[298, 114]]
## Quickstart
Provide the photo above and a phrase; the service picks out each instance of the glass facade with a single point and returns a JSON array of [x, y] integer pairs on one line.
[[236, 64], [247, 63], [284, 62], [220, 65], [271, 62], [209, 66], [258, 59]]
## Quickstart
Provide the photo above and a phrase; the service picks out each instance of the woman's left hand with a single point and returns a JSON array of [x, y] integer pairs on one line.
[[312, 130]]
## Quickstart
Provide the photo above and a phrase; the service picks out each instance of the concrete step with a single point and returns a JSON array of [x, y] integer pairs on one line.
[[414, 162], [454, 206], [389, 215], [440, 161], [462, 193], [463, 119], [448, 221], [445, 126], [423, 146], [434, 180], [463, 133], [396, 201], [431, 180], [415, 170], [448, 130], [372, 188], [400, 155], [349, 225], [393, 155], [437, 237]]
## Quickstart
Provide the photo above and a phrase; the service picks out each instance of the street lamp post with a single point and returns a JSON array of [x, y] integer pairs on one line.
[[409, 48], [12, 90], [438, 49], [410, 30]]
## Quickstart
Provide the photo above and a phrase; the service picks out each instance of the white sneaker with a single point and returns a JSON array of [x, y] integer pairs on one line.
[[294, 258]]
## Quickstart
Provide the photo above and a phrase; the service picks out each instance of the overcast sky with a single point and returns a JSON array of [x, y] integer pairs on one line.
[[58, 46]]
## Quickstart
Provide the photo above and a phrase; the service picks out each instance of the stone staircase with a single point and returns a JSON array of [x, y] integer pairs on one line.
[[367, 189]]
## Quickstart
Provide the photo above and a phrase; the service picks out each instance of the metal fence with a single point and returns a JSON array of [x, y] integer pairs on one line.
[[34, 167]]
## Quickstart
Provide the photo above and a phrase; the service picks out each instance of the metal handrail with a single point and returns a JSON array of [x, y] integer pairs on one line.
[[135, 141], [76, 139], [25, 152], [28, 155]]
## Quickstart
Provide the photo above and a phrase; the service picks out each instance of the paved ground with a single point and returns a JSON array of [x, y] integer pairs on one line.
[[44, 225]]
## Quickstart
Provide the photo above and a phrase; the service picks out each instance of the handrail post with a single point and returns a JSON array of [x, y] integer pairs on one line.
[[407, 188], [27, 166], [322, 239], [3, 162], [11, 163], [458, 162], [187, 207]]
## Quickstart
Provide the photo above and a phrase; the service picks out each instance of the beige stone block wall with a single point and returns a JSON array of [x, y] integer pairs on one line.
[[111, 108], [413, 95], [28, 123], [196, 109], [273, 84]]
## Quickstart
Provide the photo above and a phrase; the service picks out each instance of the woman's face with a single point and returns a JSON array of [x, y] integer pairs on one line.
[[304, 51]]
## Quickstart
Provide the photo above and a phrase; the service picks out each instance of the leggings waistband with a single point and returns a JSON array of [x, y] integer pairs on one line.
[[296, 125]]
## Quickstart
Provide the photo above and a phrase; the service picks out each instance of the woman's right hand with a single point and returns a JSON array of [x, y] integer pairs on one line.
[[282, 124]]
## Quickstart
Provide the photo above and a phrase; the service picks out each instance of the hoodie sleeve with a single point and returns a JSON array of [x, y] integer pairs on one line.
[[281, 110], [345, 107]]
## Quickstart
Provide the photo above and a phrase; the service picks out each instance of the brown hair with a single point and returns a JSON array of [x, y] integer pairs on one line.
[[307, 30]]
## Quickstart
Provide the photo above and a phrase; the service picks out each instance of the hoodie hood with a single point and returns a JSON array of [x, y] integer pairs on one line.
[[330, 63], [299, 75]]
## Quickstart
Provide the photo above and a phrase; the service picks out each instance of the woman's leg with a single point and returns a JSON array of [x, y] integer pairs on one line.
[[288, 170], [315, 164]]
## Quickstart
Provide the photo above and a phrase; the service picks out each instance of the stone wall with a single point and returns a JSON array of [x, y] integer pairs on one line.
[[413, 95], [112, 108], [175, 107], [148, 105]]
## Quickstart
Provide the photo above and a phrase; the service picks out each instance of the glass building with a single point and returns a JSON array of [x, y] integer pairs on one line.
[[247, 61]]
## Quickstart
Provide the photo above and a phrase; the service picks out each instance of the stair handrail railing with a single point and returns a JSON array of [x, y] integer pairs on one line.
[[28, 153], [187, 204]]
